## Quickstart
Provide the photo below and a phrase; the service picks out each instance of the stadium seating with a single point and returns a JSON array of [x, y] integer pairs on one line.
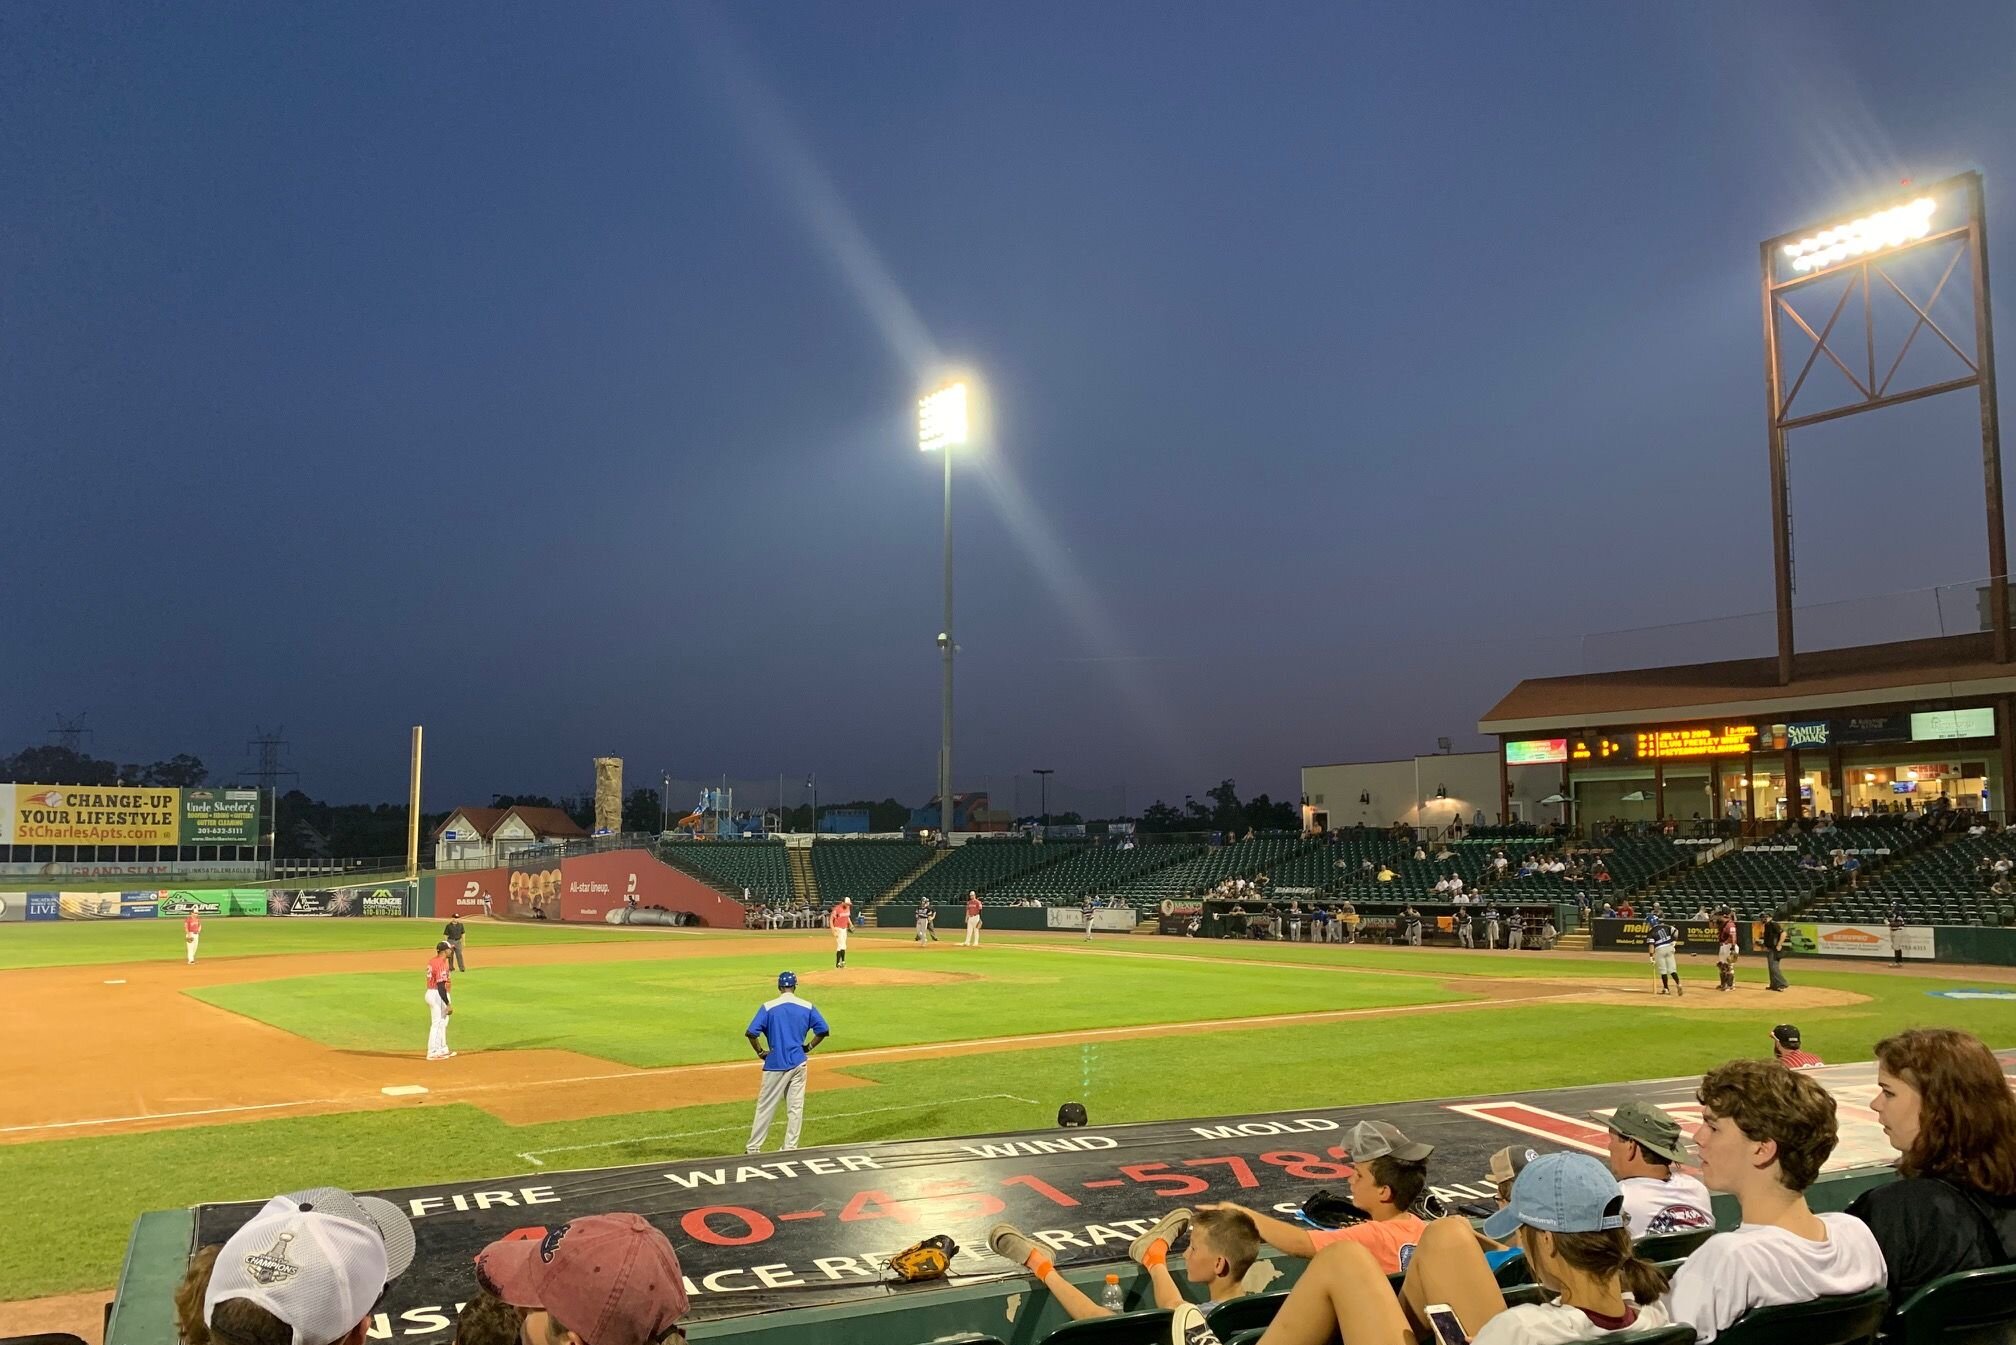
[[863, 870], [730, 866], [1241, 859], [1937, 886], [1331, 864], [1634, 863], [979, 865], [1975, 1307], [1764, 878], [1848, 1319], [1095, 869], [1149, 1327]]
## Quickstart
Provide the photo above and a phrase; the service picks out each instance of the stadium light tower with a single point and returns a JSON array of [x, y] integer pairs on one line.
[[944, 423]]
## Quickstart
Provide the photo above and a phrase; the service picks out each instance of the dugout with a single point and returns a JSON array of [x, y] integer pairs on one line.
[[1884, 728]]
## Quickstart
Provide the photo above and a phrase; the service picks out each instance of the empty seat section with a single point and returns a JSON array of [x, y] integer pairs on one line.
[[862, 871], [731, 865], [979, 865]]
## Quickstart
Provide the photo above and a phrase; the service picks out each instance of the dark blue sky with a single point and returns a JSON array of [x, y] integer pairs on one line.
[[543, 373]]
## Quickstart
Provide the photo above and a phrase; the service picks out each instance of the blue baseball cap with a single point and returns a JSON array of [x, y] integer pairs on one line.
[[787, 980], [1562, 1193]]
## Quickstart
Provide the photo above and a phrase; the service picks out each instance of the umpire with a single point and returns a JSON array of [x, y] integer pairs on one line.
[[452, 932]]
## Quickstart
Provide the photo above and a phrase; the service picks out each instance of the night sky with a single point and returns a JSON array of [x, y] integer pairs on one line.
[[545, 374]]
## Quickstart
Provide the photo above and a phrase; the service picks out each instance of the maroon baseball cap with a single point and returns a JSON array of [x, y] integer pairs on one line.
[[612, 1279]]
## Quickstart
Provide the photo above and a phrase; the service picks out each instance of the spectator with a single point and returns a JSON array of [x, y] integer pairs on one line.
[[1701, 912], [1386, 874], [308, 1268], [604, 1279], [1764, 1133], [189, 1296], [486, 1320], [1645, 1145], [1785, 1048], [1223, 1246], [1564, 1213], [1946, 1108], [1420, 854], [1774, 948], [1389, 1173], [1895, 922]]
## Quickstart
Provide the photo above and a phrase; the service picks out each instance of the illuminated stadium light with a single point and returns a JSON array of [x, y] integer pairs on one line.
[[941, 418], [1872, 233]]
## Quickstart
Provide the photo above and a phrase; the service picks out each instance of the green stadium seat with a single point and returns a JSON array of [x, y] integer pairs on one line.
[[1975, 1307], [1846, 1319], [1244, 1313], [1672, 1247], [1126, 1328]]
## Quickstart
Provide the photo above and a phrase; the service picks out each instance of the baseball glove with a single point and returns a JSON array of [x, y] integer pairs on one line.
[[926, 1260]]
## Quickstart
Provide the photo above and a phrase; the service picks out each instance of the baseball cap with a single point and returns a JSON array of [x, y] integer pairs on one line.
[[1650, 1129], [1786, 1035], [613, 1279], [317, 1260], [1509, 1162], [1377, 1139], [787, 980], [1561, 1193], [1072, 1114]]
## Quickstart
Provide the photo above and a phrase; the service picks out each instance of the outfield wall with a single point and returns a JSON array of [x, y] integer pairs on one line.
[[1989, 945], [606, 887], [383, 899]]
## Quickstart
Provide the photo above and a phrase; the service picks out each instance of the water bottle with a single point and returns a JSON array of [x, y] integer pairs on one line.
[[1112, 1299]]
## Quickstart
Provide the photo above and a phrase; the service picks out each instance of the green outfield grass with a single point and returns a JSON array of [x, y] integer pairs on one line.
[[62, 943], [696, 1009], [688, 1011]]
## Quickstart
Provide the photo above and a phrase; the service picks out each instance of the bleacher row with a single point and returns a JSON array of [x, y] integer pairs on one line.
[[1936, 879]]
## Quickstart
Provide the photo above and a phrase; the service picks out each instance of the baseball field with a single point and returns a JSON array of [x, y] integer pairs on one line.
[[291, 1053]]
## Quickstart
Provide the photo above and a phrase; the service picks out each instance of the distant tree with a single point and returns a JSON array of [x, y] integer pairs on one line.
[[521, 801], [1264, 814], [580, 808], [1228, 816], [48, 764], [641, 811], [181, 771], [1159, 816]]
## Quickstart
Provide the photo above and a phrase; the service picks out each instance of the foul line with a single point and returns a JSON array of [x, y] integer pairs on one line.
[[531, 1156], [173, 1115]]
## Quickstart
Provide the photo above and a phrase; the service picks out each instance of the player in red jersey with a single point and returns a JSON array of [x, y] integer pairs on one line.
[[438, 1007], [192, 930], [841, 921]]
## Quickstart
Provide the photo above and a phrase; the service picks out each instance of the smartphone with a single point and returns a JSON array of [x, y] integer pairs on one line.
[[1448, 1329]]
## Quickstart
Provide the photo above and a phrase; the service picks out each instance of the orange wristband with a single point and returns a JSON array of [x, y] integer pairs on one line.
[[1157, 1253], [1040, 1265]]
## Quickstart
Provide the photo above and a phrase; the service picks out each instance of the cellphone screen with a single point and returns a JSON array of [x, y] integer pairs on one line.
[[1448, 1330]]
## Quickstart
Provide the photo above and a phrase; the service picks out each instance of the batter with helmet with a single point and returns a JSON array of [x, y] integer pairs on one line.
[[777, 1035]]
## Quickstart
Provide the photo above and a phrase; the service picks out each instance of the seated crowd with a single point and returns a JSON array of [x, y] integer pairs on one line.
[[1576, 1221]]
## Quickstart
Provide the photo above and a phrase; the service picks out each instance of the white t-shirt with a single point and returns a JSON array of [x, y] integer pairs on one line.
[[1680, 1204], [1547, 1323], [1762, 1266]]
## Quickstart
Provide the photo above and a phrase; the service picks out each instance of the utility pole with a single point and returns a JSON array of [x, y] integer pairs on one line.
[[1043, 774]]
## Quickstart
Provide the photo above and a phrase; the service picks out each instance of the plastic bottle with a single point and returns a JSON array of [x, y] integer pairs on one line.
[[1112, 1297]]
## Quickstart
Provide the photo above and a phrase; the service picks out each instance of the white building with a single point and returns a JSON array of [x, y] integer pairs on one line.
[[1425, 791], [480, 838]]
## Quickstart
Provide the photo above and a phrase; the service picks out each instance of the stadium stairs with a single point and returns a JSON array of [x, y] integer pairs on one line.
[[804, 883], [937, 857]]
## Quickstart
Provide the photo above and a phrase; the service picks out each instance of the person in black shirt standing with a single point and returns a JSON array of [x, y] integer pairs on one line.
[[1947, 1110], [1774, 944], [453, 933], [1896, 923]]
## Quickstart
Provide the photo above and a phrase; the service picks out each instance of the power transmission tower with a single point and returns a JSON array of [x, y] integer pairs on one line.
[[70, 733], [267, 769]]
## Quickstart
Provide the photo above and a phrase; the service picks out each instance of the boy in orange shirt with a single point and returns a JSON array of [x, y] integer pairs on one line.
[[1389, 1172]]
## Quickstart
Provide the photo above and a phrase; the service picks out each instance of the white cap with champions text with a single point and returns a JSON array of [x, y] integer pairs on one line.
[[317, 1260]]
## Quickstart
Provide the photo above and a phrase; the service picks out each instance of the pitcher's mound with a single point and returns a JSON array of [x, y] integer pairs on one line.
[[828, 976], [1702, 994]]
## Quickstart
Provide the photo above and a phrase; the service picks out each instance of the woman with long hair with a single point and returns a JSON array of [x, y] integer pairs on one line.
[[1947, 1110]]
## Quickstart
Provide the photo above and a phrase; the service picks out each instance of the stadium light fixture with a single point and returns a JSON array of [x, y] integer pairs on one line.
[[1872, 233], [943, 420]]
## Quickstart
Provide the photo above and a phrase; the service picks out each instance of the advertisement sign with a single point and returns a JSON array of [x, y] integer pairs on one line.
[[45, 906], [138, 906], [337, 901], [1811, 733], [534, 891], [13, 906], [1727, 740], [1939, 725], [1103, 917], [1872, 729], [1536, 752], [1917, 941], [1690, 936], [220, 817], [379, 900], [88, 815], [87, 905], [214, 901]]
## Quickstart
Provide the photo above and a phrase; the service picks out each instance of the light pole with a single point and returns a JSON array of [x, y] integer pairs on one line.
[[943, 425], [1043, 774]]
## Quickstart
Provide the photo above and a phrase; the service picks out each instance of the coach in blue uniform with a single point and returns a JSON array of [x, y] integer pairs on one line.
[[783, 1022]]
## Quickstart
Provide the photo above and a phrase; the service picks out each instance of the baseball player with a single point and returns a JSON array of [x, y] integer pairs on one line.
[[1518, 930], [438, 1007], [1464, 936], [783, 1023], [841, 921], [1896, 925], [1659, 943], [1491, 927], [972, 920], [192, 930], [1085, 908], [1725, 949]]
